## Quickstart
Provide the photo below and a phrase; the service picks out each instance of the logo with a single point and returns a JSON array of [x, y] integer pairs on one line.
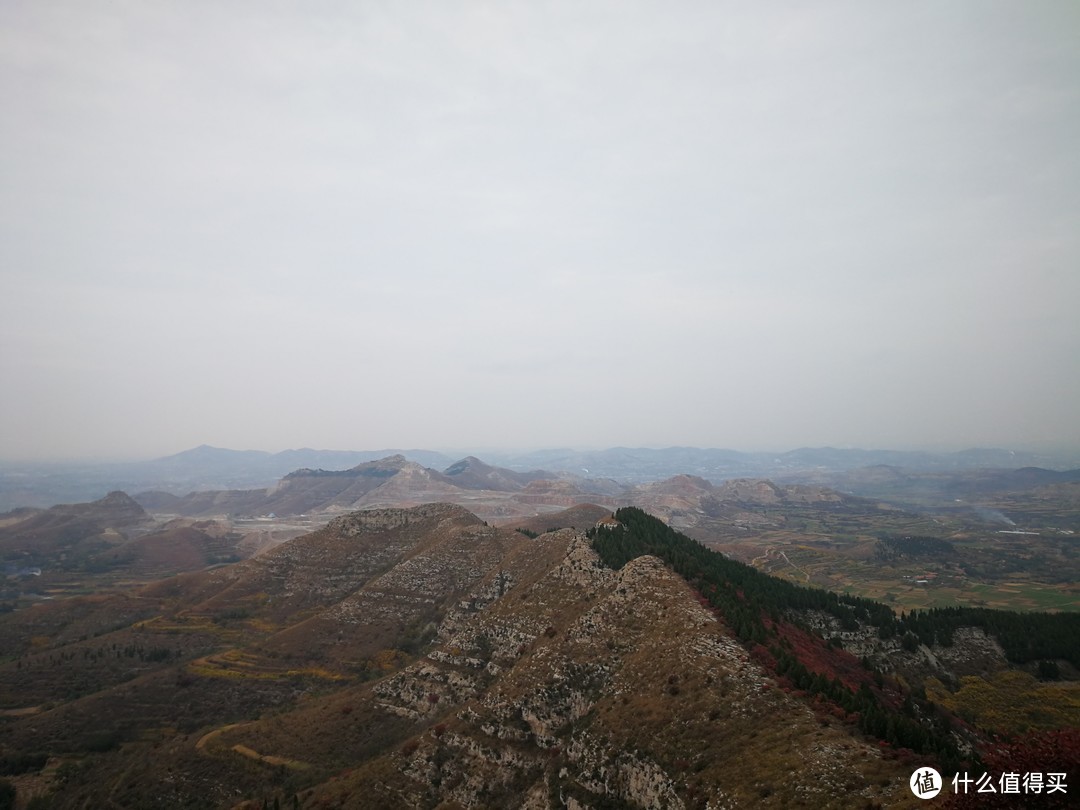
[[925, 783]]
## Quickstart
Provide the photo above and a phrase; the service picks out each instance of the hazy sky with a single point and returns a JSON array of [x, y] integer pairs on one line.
[[358, 225]]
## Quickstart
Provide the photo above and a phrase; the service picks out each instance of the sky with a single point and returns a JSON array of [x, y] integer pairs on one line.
[[517, 225]]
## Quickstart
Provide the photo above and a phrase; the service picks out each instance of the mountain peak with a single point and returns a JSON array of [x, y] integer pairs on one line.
[[118, 498], [117, 509], [471, 463]]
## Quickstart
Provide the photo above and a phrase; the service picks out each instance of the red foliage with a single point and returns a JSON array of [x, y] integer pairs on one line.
[[764, 657], [1037, 752], [832, 662]]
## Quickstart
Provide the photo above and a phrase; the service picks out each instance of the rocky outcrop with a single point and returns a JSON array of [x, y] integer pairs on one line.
[[972, 651]]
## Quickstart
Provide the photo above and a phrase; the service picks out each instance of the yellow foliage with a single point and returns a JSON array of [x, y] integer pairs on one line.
[[389, 660], [317, 672], [219, 672], [1010, 701]]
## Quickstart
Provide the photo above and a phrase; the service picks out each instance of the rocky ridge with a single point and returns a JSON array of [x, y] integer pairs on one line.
[[557, 682]]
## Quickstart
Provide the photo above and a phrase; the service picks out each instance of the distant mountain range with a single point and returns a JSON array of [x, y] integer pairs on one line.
[[393, 480], [207, 468], [493, 493]]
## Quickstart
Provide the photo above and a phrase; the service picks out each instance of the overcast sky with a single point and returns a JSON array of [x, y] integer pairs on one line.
[[473, 225]]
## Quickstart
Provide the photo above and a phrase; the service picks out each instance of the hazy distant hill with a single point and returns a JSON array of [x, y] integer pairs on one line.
[[635, 465], [936, 487], [211, 468], [70, 529], [390, 481], [111, 544], [491, 491], [201, 468], [206, 461], [472, 473]]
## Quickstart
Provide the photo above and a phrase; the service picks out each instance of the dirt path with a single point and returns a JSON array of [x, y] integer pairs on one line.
[[250, 753], [269, 760], [766, 556], [772, 553], [793, 565], [205, 738], [24, 712]]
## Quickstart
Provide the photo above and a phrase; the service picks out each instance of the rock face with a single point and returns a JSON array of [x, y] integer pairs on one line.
[[972, 651]]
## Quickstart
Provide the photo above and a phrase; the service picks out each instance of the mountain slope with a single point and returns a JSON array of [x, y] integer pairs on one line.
[[592, 697], [417, 657]]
